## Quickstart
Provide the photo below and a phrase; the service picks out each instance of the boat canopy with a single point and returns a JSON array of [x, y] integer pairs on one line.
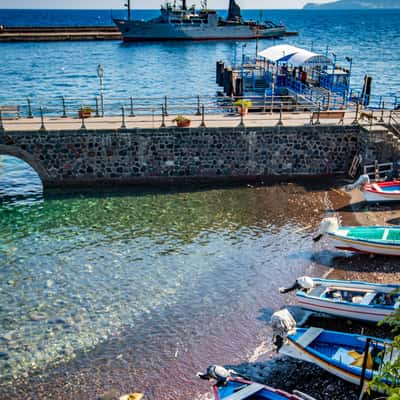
[[294, 56]]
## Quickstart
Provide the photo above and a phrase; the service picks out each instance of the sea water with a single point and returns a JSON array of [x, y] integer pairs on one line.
[[142, 288]]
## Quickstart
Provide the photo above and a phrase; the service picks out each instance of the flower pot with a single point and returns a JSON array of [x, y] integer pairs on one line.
[[243, 110], [84, 113], [183, 124]]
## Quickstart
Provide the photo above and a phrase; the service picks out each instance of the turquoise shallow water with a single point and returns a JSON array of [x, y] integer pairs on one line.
[[158, 277]]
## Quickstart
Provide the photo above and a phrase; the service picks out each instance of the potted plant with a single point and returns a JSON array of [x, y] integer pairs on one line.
[[181, 121], [85, 112], [243, 106]]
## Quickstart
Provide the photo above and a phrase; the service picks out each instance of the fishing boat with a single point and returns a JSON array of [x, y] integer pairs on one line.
[[348, 299], [342, 354], [362, 239], [377, 192], [183, 23], [229, 385]]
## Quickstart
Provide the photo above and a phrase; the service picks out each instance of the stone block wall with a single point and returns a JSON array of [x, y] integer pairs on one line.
[[88, 157]]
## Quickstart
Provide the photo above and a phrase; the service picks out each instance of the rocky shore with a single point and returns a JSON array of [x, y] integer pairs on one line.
[[289, 374]]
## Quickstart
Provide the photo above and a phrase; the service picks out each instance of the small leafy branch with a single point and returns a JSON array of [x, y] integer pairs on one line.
[[244, 103], [388, 378]]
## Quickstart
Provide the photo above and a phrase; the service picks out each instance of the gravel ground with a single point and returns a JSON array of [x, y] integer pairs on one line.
[[289, 374]]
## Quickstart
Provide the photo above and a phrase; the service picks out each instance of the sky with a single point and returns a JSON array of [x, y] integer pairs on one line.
[[115, 4]]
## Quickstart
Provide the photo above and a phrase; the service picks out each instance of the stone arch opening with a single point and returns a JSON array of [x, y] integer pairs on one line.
[[27, 158]]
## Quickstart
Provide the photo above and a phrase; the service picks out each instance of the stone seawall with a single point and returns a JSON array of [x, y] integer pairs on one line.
[[90, 158]]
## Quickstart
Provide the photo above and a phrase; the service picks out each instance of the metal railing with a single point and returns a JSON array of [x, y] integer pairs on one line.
[[394, 122], [378, 171], [154, 111]]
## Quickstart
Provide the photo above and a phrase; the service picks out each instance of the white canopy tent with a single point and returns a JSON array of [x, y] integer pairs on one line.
[[294, 56]]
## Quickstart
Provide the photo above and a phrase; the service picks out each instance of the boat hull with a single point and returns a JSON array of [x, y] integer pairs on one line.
[[371, 312], [347, 372], [139, 31], [344, 310], [234, 385], [364, 246], [381, 192]]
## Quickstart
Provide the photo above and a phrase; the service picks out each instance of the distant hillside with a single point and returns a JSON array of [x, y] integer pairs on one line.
[[355, 4]]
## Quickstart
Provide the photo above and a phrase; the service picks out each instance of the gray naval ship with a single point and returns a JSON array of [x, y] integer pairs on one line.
[[183, 23]]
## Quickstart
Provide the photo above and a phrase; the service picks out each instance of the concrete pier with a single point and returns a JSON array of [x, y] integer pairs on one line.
[[42, 34]]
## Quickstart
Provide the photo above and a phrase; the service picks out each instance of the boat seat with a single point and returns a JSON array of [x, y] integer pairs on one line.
[[245, 392], [309, 336], [357, 299], [385, 234], [368, 298], [376, 187]]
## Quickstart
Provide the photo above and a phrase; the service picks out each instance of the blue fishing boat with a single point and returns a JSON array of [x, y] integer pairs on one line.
[[363, 301], [229, 385], [352, 357]]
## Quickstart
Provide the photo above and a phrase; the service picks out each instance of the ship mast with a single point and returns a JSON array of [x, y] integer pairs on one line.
[[128, 4]]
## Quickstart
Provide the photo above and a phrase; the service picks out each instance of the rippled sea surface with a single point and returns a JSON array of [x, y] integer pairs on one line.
[[152, 284], [43, 70], [139, 289]]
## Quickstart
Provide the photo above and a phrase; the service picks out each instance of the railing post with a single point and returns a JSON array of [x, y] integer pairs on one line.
[[1, 122], [198, 112], [355, 122], [132, 114], [264, 99], [241, 124], [280, 122], [102, 104], [165, 105], [376, 170], [203, 122], [64, 112], [162, 116], [123, 124], [329, 101], [317, 122], [28, 100], [382, 112], [42, 126], [364, 368], [97, 107], [83, 126]]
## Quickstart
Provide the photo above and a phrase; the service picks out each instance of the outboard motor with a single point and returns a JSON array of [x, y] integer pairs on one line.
[[216, 372], [328, 224], [283, 324], [359, 183], [303, 282]]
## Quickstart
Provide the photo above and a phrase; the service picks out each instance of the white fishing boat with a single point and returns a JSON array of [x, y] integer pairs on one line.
[[348, 299], [362, 239], [377, 192], [342, 354]]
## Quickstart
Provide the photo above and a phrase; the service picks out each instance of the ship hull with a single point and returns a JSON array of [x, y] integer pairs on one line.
[[138, 31]]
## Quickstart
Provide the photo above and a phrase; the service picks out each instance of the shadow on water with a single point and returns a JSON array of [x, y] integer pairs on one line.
[[356, 262], [364, 206]]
